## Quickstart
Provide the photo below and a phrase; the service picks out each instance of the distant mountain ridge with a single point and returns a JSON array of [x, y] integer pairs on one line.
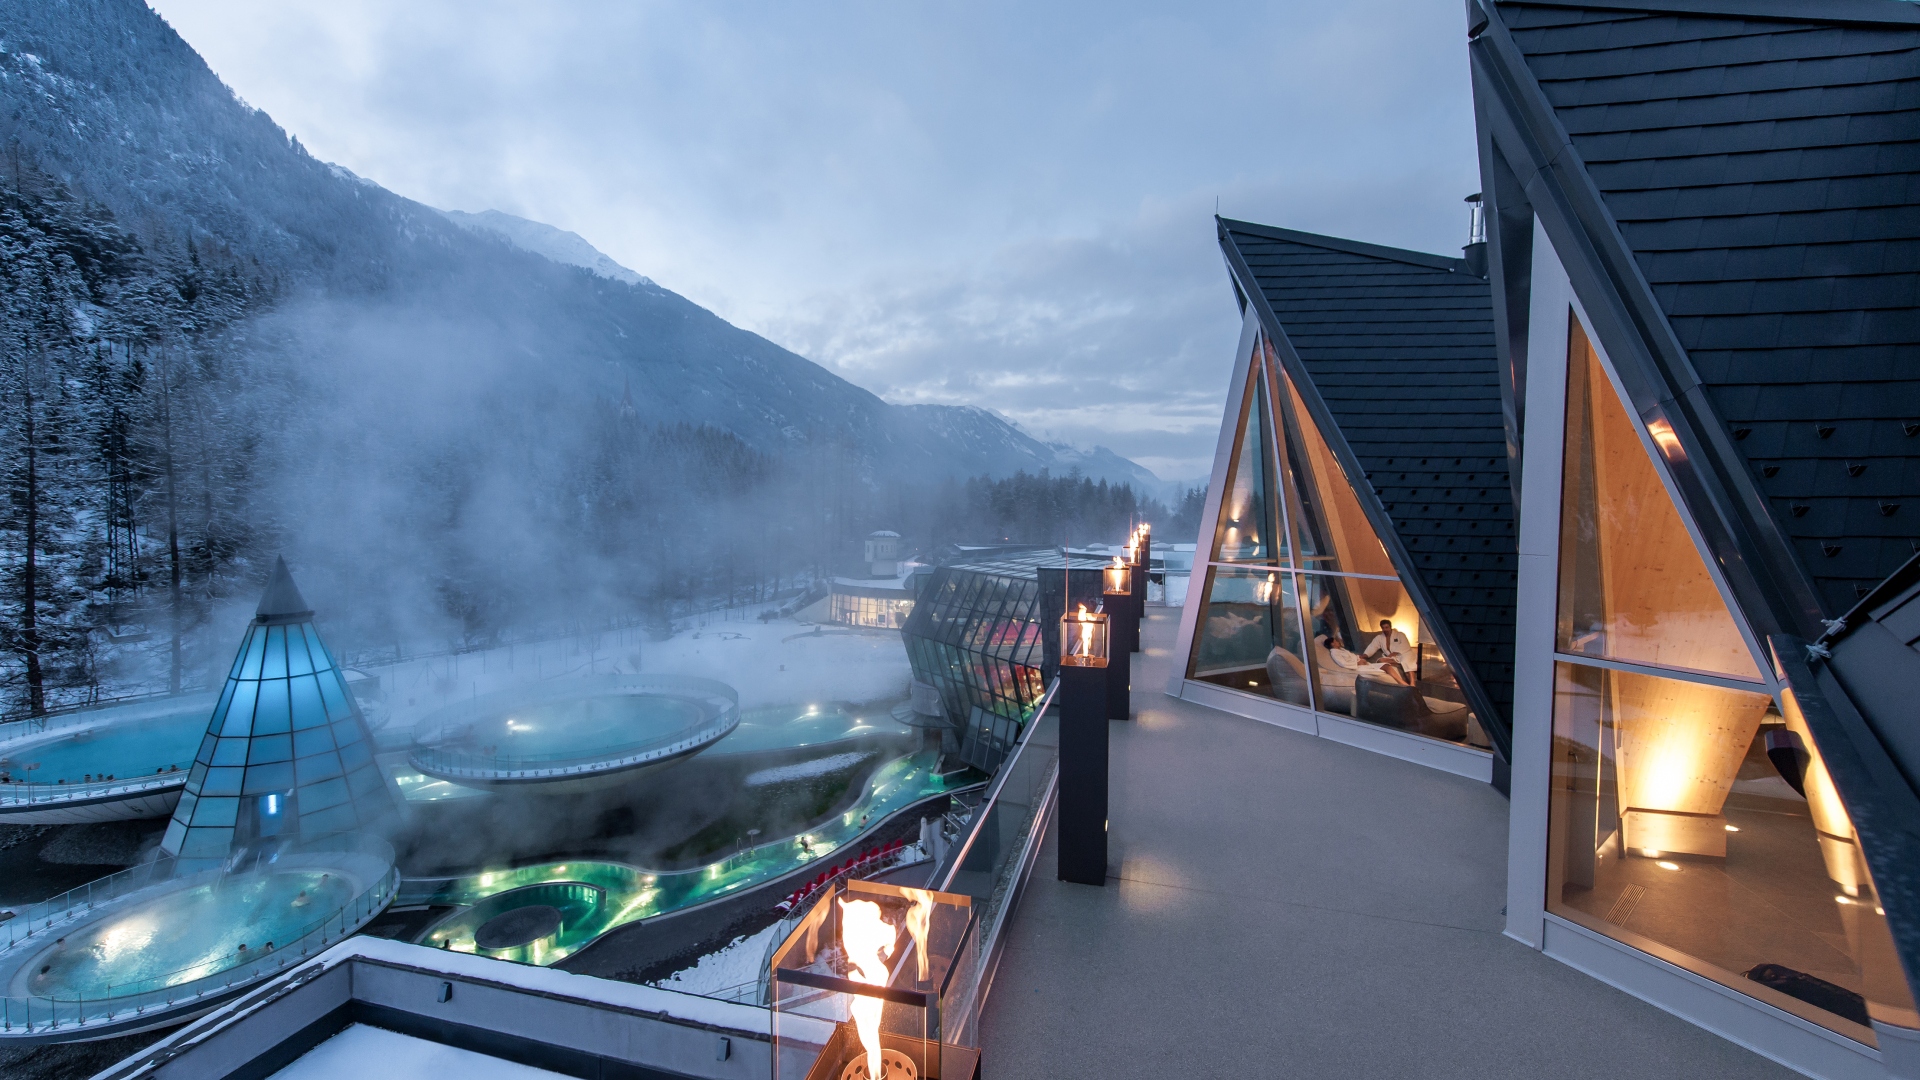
[[559, 245], [111, 100]]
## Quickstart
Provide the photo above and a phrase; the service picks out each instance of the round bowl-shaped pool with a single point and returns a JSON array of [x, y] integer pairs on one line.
[[148, 946], [536, 924], [123, 761], [577, 735]]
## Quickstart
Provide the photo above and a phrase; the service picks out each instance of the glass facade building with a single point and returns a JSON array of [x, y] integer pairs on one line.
[[286, 752], [976, 636], [875, 609]]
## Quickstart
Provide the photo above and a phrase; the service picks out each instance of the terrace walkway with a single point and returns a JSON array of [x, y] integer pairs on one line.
[[1283, 906]]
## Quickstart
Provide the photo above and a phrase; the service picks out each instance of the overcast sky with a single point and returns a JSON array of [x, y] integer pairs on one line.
[[998, 204]]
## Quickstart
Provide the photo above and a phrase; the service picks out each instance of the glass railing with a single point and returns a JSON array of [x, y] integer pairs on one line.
[[991, 859], [989, 862], [16, 794], [203, 909]]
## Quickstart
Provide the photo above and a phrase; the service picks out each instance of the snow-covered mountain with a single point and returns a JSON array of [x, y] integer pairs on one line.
[[104, 95], [559, 245]]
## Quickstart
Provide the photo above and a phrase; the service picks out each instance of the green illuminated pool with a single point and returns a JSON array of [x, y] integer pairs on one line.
[[632, 893]]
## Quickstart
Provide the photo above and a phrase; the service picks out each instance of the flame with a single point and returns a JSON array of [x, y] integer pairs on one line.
[[1086, 634], [919, 919], [1118, 562], [868, 941]]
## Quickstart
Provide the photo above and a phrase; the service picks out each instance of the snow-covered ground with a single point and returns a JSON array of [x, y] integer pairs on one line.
[[800, 770], [772, 663], [733, 965]]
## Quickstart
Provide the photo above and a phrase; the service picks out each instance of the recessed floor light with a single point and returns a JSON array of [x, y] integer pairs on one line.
[[1665, 865], [1843, 899], [1733, 828]]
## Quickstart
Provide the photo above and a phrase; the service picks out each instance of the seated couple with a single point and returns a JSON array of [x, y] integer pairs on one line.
[[1388, 664]]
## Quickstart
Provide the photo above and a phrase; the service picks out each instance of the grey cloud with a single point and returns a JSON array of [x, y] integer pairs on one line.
[[998, 204]]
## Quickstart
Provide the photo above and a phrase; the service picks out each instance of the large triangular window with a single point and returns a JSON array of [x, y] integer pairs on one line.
[[1633, 586]]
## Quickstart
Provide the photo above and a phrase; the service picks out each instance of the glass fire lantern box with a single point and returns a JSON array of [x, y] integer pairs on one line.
[[861, 988], [1083, 638], [1117, 580]]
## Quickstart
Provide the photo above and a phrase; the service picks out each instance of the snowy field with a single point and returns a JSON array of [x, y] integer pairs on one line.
[[733, 965]]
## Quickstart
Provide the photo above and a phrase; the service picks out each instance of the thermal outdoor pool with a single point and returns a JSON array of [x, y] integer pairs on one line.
[[785, 727], [629, 894], [125, 742], [584, 728], [171, 939], [574, 734]]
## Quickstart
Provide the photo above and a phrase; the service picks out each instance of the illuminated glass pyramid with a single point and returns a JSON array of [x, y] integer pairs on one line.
[[287, 752]]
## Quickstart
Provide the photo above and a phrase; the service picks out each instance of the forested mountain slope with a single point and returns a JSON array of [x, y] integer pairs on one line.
[[216, 346]]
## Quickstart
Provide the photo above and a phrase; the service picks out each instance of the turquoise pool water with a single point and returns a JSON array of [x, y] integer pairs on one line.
[[783, 727], [185, 935], [633, 893], [601, 726], [123, 749]]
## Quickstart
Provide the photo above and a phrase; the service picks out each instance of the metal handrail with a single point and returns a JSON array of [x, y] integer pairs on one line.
[[432, 759]]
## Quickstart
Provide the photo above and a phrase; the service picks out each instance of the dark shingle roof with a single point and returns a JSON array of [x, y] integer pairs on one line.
[[1400, 346], [1765, 173]]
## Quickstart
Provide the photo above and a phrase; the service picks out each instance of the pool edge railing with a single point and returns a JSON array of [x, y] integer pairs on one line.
[[18, 794]]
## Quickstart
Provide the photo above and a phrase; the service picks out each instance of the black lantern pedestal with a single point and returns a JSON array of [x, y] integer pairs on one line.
[[1083, 775], [1142, 572], [1119, 691], [1118, 584]]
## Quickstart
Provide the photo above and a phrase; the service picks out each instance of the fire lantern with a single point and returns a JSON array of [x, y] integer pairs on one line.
[[1117, 580], [861, 989], [1083, 639]]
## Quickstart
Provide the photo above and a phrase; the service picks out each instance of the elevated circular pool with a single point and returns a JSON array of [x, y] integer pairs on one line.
[[146, 947], [118, 762], [577, 735]]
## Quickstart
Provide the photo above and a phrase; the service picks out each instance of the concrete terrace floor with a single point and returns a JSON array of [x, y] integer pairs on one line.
[[1283, 906]]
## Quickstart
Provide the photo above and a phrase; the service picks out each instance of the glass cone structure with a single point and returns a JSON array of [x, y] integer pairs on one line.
[[286, 753]]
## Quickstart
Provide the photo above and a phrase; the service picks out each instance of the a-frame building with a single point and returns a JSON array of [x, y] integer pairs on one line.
[[1360, 479], [1704, 247]]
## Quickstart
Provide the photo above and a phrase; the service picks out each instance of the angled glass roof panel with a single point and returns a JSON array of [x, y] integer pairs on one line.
[[1633, 586]]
